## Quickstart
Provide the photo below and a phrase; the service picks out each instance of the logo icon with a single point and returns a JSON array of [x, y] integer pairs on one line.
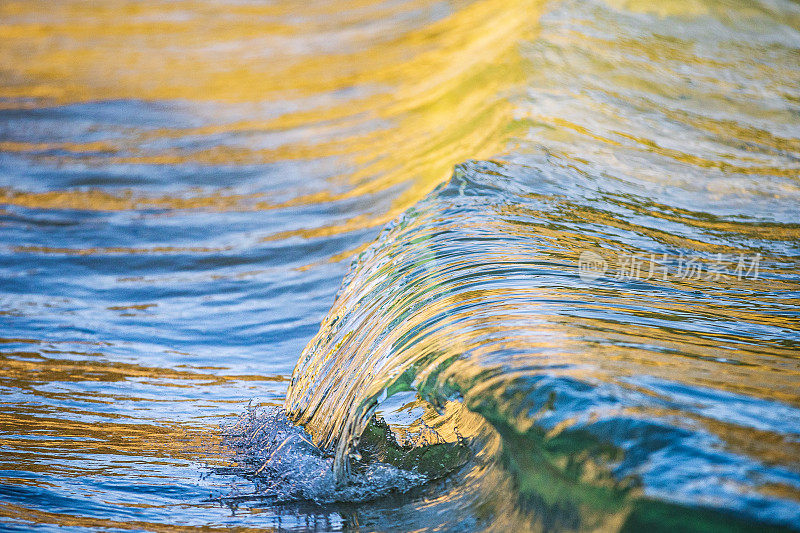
[[591, 266]]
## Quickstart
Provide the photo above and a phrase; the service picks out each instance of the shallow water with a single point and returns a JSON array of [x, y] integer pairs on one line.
[[183, 186]]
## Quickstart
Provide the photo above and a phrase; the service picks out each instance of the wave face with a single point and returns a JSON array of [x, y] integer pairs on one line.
[[613, 302], [476, 296]]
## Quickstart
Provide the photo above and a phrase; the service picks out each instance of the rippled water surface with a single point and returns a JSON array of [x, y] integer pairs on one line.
[[573, 303]]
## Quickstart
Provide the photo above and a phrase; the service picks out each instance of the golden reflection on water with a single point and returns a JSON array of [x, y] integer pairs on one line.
[[383, 95], [66, 431], [26, 515], [395, 104], [383, 99]]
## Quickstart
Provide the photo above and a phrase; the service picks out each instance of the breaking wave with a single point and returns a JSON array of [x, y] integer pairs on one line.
[[602, 398]]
